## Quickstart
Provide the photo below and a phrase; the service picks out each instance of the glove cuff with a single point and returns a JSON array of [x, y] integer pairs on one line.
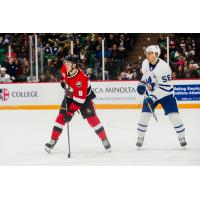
[[153, 97]]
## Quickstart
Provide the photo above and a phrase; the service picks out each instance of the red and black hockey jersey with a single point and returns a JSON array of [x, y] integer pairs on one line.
[[79, 86]]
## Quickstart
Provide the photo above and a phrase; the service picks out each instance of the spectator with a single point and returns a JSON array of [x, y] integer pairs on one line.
[[7, 39], [116, 55], [89, 45], [178, 53], [60, 53], [55, 48], [23, 53], [173, 75], [97, 68], [189, 52], [53, 78], [47, 50], [59, 62], [180, 73], [66, 40], [193, 44], [129, 73], [180, 61], [107, 53], [111, 41], [123, 76], [83, 54], [12, 69], [6, 63], [4, 77], [183, 45], [90, 74], [42, 78], [123, 46], [193, 71], [25, 67], [162, 42], [135, 76], [77, 46], [51, 66]]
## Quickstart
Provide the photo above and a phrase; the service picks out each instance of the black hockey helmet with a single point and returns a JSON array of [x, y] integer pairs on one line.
[[72, 58]]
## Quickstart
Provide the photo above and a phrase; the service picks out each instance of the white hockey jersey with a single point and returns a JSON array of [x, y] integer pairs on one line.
[[159, 77]]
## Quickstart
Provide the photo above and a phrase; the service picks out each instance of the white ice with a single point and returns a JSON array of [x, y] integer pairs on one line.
[[24, 133]]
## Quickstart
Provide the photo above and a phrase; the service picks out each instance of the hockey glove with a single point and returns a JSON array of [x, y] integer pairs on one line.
[[150, 100], [141, 89], [63, 85], [68, 94]]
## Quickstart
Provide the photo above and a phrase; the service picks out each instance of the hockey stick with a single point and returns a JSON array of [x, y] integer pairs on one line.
[[69, 149], [150, 108]]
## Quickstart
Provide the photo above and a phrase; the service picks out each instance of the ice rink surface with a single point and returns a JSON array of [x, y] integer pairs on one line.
[[23, 134]]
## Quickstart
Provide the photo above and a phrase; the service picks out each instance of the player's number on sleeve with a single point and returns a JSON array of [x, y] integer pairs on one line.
[[166, 78]]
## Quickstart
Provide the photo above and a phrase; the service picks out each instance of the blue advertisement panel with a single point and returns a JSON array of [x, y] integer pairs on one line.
[[187, 92]]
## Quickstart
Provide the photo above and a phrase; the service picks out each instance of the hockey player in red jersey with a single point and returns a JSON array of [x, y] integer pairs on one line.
[[79, 97]]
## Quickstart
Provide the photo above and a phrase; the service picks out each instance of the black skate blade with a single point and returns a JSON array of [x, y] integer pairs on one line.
[[48, 150], [184, 147], [139, 146], [108, 150]]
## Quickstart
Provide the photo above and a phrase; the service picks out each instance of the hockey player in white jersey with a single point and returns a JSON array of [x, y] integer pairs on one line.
[[156, 87]]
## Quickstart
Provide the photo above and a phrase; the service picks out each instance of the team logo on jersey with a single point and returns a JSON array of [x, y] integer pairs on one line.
[[4, 94], [78, 83]]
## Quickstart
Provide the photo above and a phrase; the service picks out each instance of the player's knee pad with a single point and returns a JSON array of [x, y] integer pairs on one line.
[[176, 121], [143, 123]]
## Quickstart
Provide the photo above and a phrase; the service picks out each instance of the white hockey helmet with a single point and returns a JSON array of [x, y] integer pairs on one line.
[[154, 49]]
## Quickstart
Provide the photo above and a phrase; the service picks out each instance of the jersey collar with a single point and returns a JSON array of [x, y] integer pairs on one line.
[[74, 74], [152, 67]]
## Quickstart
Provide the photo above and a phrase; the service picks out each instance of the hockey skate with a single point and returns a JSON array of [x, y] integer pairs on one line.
[[182, 141], [50, 145], [140, 141], [106, 144]]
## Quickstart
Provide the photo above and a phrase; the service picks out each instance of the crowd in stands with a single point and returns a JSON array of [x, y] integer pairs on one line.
[[53, 48], [184, 54], [88, 48], [17, 66]]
